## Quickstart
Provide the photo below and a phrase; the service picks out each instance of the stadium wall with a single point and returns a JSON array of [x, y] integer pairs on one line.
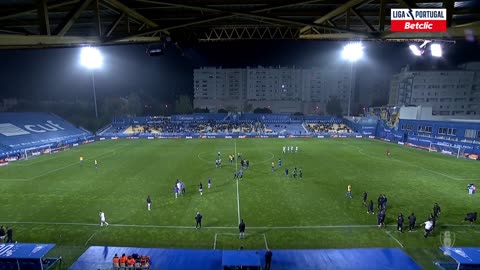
[[422, 133]]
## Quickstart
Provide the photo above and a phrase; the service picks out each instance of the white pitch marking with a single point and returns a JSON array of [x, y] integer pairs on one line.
[[412, 165], [358, 226], [215, 242], [91, 237], [236, 172], [61, 168], [265, 239], [387, 232]]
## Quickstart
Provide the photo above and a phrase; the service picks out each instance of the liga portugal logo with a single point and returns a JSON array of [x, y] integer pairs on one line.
[[418, 20]]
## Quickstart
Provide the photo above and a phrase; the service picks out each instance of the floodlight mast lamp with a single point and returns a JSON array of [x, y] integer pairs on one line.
[[352, 52], [92, 59]]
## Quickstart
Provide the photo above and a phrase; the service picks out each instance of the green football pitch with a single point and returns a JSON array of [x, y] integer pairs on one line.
[[55, 199]]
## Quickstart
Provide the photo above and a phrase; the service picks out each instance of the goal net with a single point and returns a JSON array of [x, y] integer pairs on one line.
[[455, 151], [37, 151]]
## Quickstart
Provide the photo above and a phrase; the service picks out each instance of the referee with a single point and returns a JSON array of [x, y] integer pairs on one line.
[[241, 229]]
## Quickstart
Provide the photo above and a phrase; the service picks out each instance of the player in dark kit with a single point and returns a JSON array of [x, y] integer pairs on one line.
[[370, 208], [472, 217], [436, 210], [241, 229], [380, 202], [268, 259], [400, 221], [381, 219], [432, 218], [365, 195], [300, 173], [286, 172], [198, 219], [411, 222], [295, 172], [388, 152], [9, 235]]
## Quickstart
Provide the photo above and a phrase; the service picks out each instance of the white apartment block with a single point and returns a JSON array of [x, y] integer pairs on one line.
[[448, 92], [282, 89], [217, 88]]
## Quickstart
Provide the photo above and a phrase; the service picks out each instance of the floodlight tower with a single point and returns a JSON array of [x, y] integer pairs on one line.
[[92, 59], [352, 52]]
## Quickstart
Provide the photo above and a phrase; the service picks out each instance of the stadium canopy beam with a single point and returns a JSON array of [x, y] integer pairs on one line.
[[166, 29], [244, 14], [41, 41], [381, 15], [248, 32], [114, 25], [97, 17], [33, 9], [131, 13], [450, 6], [287, 5], [113, 10], [15, 32], [363, 20], [405, 4], [334, 13], [334, 36], [42, 12], [63, 28]]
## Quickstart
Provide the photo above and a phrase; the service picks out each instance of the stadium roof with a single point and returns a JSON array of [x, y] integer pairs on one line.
[[42, 23]]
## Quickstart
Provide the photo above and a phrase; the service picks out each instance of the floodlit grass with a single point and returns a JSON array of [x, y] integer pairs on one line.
[[55, 199]]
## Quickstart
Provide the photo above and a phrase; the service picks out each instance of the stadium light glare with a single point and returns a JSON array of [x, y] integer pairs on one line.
[[436, 50], [415, 50], [91, 58], [352, 51]]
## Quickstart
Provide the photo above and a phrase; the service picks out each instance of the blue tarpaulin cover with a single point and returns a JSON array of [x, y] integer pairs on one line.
[[24, 251], [241, 258], [463, 255], [99, 257]]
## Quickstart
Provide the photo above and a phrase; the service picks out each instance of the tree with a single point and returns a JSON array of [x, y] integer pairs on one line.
[[249, 107], [262, 111], [183, 105], [231, 108], [200, 110], [334, 107], [134, 105], [222, 111]]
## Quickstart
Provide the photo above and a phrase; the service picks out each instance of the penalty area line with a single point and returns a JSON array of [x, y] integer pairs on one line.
[[393, 237], [93, 235], [358, 226]]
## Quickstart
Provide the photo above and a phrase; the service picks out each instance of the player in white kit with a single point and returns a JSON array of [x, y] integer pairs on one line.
[[103, 221]]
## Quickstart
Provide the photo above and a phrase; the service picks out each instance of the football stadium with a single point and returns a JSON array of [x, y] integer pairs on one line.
[[268, 167]]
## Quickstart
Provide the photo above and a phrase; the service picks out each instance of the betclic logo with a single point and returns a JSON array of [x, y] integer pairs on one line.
[[418, 20]]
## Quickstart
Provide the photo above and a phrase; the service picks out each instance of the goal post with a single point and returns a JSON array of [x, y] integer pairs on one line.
[[36, 151], [456, 151]]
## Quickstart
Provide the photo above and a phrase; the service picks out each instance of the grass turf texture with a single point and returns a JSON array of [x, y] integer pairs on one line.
[[41, 195]]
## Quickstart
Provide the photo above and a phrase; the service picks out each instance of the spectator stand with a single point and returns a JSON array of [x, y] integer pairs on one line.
[[26, 256]]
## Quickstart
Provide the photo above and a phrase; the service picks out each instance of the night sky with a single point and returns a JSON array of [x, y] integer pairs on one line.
[[56, 73]]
